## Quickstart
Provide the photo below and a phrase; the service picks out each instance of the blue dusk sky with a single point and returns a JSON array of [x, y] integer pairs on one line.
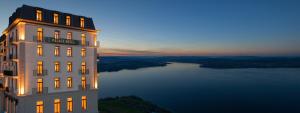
[[184, 27]]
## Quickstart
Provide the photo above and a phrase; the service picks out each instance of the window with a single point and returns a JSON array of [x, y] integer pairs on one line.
[[69, 35], [39, 15], [83, 52], [83, 103], [69, 82], [56, 66], [56, 34], [39, 50], [56, 51], [40, 67], [56, 106], [69, 66], [83, 82], [39, 85], [83, 39], [69, 104], [55, 18], [56, 82], [83, 68], [39, 107], [40, 34], [82, 22], [69, 51], [68, 20], [95, 40]]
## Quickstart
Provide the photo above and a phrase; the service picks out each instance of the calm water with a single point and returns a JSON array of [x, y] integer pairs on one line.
[[186, 88]]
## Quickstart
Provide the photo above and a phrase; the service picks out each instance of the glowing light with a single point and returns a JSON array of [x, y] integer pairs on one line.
[[96, 83], [21, 90], [21, 31], [95, 40]]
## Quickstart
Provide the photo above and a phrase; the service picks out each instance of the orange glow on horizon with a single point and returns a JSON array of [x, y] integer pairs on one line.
[[183, 52]]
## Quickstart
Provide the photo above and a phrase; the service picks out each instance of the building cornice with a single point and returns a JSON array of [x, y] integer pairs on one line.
[[18, 20]]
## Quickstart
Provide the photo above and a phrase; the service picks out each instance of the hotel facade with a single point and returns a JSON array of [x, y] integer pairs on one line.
[[48, 63]]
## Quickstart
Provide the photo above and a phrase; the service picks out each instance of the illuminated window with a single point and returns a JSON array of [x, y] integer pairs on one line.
[[56, 105], [56, 51], [68, 20], [82, 22], [83, 52], [40, 50], [69, 51], [55, 18], [83, 103], [39, 85], [39, 15], [69, 82], [69, 105], [56, 66], [83, 68], [56, 34], [69, 66], [40, 34], [69, 35], [56, 82], [40, 67], [39, 107], [83, 39], [95, 41], [83, 82]]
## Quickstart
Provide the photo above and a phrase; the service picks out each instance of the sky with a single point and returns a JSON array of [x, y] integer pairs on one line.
[[184, 27]]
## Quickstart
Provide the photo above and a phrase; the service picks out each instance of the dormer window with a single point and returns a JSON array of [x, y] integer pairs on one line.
[[68, 20], [55, 18], [38, 15], [82, 22]]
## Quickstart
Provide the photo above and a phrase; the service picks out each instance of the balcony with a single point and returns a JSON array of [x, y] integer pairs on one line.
[[44, 73], [81, 72]]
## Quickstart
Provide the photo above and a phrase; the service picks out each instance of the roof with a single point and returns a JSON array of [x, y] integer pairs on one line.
[[29, 13]]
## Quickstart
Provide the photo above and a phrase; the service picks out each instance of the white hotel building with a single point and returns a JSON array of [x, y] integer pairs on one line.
[[48, 63]]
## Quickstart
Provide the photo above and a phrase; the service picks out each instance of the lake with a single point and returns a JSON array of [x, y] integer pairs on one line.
[[186, 88]]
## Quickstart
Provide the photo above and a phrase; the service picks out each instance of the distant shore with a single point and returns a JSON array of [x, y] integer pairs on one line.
[[114, 64]]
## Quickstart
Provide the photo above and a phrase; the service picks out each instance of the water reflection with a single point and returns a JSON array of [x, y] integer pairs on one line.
[[186, 88]]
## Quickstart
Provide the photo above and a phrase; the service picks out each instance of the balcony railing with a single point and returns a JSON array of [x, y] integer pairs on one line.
[[44, 73], [80, 71]]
